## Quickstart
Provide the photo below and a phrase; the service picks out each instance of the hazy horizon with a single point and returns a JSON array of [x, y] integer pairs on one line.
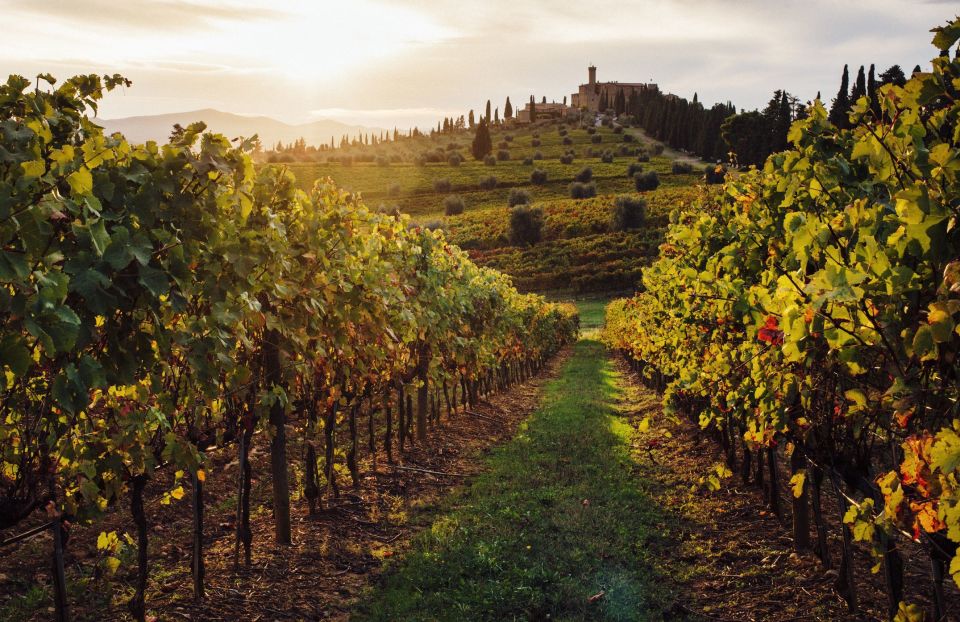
[[384, 63]]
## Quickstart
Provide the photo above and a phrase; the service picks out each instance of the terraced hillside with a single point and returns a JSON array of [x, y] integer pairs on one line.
[[580, 250]]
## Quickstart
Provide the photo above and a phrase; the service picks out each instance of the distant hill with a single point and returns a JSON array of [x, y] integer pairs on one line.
[[157, 127]]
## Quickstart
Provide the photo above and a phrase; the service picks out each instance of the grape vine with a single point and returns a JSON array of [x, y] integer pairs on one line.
[[160, 300], [815, 304]]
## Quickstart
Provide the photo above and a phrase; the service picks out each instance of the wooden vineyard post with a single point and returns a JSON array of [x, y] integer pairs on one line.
[[816, 484], [941, 550], [197, 558], [244, 477], [388, 436], [61, 606], [774, 482], [137, 602], [846, 585], [278, 443], [423, 392], [401, 421], [892, 574], [801, 514]]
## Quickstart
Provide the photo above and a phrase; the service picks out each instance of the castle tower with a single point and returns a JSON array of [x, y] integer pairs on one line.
[[593, 75]]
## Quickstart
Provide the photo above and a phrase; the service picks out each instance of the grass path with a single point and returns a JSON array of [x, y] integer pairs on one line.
[[558, 517]]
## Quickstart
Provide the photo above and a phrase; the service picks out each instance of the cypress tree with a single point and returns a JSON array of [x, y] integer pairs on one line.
[[471, 120], [838, 111], [486, 117], [507, 109], [482, 144], [859, 87]]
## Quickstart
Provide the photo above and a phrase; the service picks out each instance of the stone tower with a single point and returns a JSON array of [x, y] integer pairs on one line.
[[593, 75]]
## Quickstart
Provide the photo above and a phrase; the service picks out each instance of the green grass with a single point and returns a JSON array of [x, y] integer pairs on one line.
[[557, 518], [591, 312]]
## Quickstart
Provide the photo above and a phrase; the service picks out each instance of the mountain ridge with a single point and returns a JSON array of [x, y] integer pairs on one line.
[[157, 127]]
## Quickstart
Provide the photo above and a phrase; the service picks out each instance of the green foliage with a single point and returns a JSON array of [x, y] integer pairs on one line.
[[580, 190], [526, 224], [646, 181], [453, 205], [518, 197], [628, 213], [155, 302], [816, 302]]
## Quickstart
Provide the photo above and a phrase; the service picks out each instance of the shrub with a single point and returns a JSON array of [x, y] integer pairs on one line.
[[714, 173], [643, 156], [454, 159], [488, 183], [538, 156], [538, 176], [591, 130], [528, 161], [606, 157], [658, 148], [618, 130], [634, 168], [435, 225], [382, 161], [536, 134], [646, 181], [394, 190], [508, 138], [628, 213], [567, 140], [535, 142], [596, 139], [453, 205], [518, 197], [585, 175], [453, 146], [490, 159], [563, 131], [526, 225], [442, 185], [579, 190], [566, 158], [503, 155], [623, 150], [629, 138], [681, 168]]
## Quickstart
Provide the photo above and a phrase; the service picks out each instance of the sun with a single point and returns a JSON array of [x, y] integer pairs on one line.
[[326, 39]]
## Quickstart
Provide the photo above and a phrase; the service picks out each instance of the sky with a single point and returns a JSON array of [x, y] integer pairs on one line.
[[401, 63]]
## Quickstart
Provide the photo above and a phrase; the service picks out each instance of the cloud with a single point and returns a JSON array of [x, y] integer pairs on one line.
[[171, 15], [413, 61]]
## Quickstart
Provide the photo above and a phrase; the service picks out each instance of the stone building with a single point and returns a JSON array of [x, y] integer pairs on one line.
[[592, 93], [551, 110]]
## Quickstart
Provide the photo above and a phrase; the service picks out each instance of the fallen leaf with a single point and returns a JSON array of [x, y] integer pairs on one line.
[[597, 596]]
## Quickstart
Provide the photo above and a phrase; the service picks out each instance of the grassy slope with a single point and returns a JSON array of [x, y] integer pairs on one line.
[[558, 517], [579, 254]]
